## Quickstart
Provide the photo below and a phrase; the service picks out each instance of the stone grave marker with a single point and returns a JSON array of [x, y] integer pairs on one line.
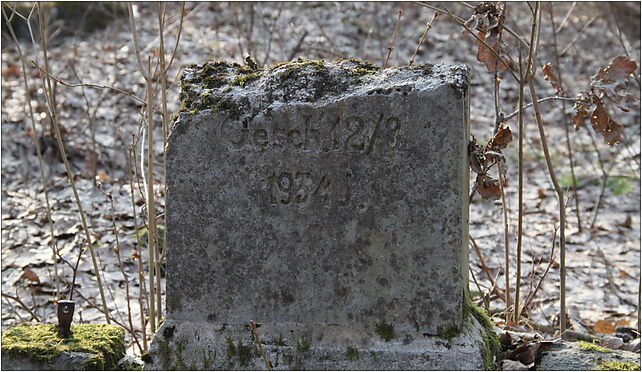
[[327, 202]]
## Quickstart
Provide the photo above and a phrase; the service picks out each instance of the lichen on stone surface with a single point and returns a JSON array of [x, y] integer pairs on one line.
[[41, 343], [587, 346], [618, 366]]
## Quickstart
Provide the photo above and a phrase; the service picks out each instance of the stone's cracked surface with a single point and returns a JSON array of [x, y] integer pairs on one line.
[[317, 194]]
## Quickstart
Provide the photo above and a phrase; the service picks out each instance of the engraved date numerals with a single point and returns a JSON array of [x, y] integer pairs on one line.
[[303, 188]]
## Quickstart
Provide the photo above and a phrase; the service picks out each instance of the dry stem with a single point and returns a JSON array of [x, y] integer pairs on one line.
[[50, 95]]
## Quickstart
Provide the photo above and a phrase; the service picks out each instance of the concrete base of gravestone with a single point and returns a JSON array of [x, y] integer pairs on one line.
[[206, 346]]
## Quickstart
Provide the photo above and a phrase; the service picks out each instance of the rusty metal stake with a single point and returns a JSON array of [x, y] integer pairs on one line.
[[65, 316]]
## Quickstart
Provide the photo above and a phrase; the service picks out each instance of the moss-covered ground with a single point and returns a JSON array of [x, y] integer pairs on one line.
[[41, 344]]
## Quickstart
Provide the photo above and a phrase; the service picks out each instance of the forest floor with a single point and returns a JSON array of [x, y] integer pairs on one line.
[[603, 259]]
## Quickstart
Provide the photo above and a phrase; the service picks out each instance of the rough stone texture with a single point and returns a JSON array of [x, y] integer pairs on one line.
[[198, 346], [327, 202], [67, 361], [567, 356]]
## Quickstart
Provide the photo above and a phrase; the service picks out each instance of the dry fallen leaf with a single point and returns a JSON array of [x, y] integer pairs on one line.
[[551, 77], [488, 187], [620, 68], [102, 176], [486, 55], [628, 223], [526, 353], [501, 139], [11, 70], [606, 327], [610, 83], [579, 117], [475, 156], [602, 123], [29, 276], [486, 17]]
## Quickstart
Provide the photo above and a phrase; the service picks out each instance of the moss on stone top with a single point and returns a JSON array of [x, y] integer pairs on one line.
[[244, 91], [42, 344]]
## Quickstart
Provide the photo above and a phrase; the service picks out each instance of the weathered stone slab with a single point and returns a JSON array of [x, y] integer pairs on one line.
[[326, 202], [580, 356]]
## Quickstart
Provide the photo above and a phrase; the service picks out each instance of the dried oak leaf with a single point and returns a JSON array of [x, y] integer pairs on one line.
[[30, 276], [611, 130], [501, 139], [526, 353], [611, 82], [488, 187], [580, 116], [475, 156], [486, 55], [11, 70], [486, 16], [551, 77]]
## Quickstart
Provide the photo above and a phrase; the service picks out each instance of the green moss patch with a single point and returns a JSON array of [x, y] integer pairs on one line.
[[352, 353], [491, 348], [42, 344], [448, 332], [241, 81], [618, 366], [587, 346], [385, 331]]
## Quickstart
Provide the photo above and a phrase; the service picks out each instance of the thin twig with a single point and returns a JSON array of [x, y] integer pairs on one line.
[[562, 212], [258, 342], [499, 58], [485, 269], [507, 298], [50, 95], [462, 21], [25, 307], [88, 85], [567, 16], [141, 275], [391, 46], [151, 218], [541, 100], [120, 263], [551, 259], [423, 37], [520, 193], [566, 125], [481, 293], [579, 34], [36, 143]]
